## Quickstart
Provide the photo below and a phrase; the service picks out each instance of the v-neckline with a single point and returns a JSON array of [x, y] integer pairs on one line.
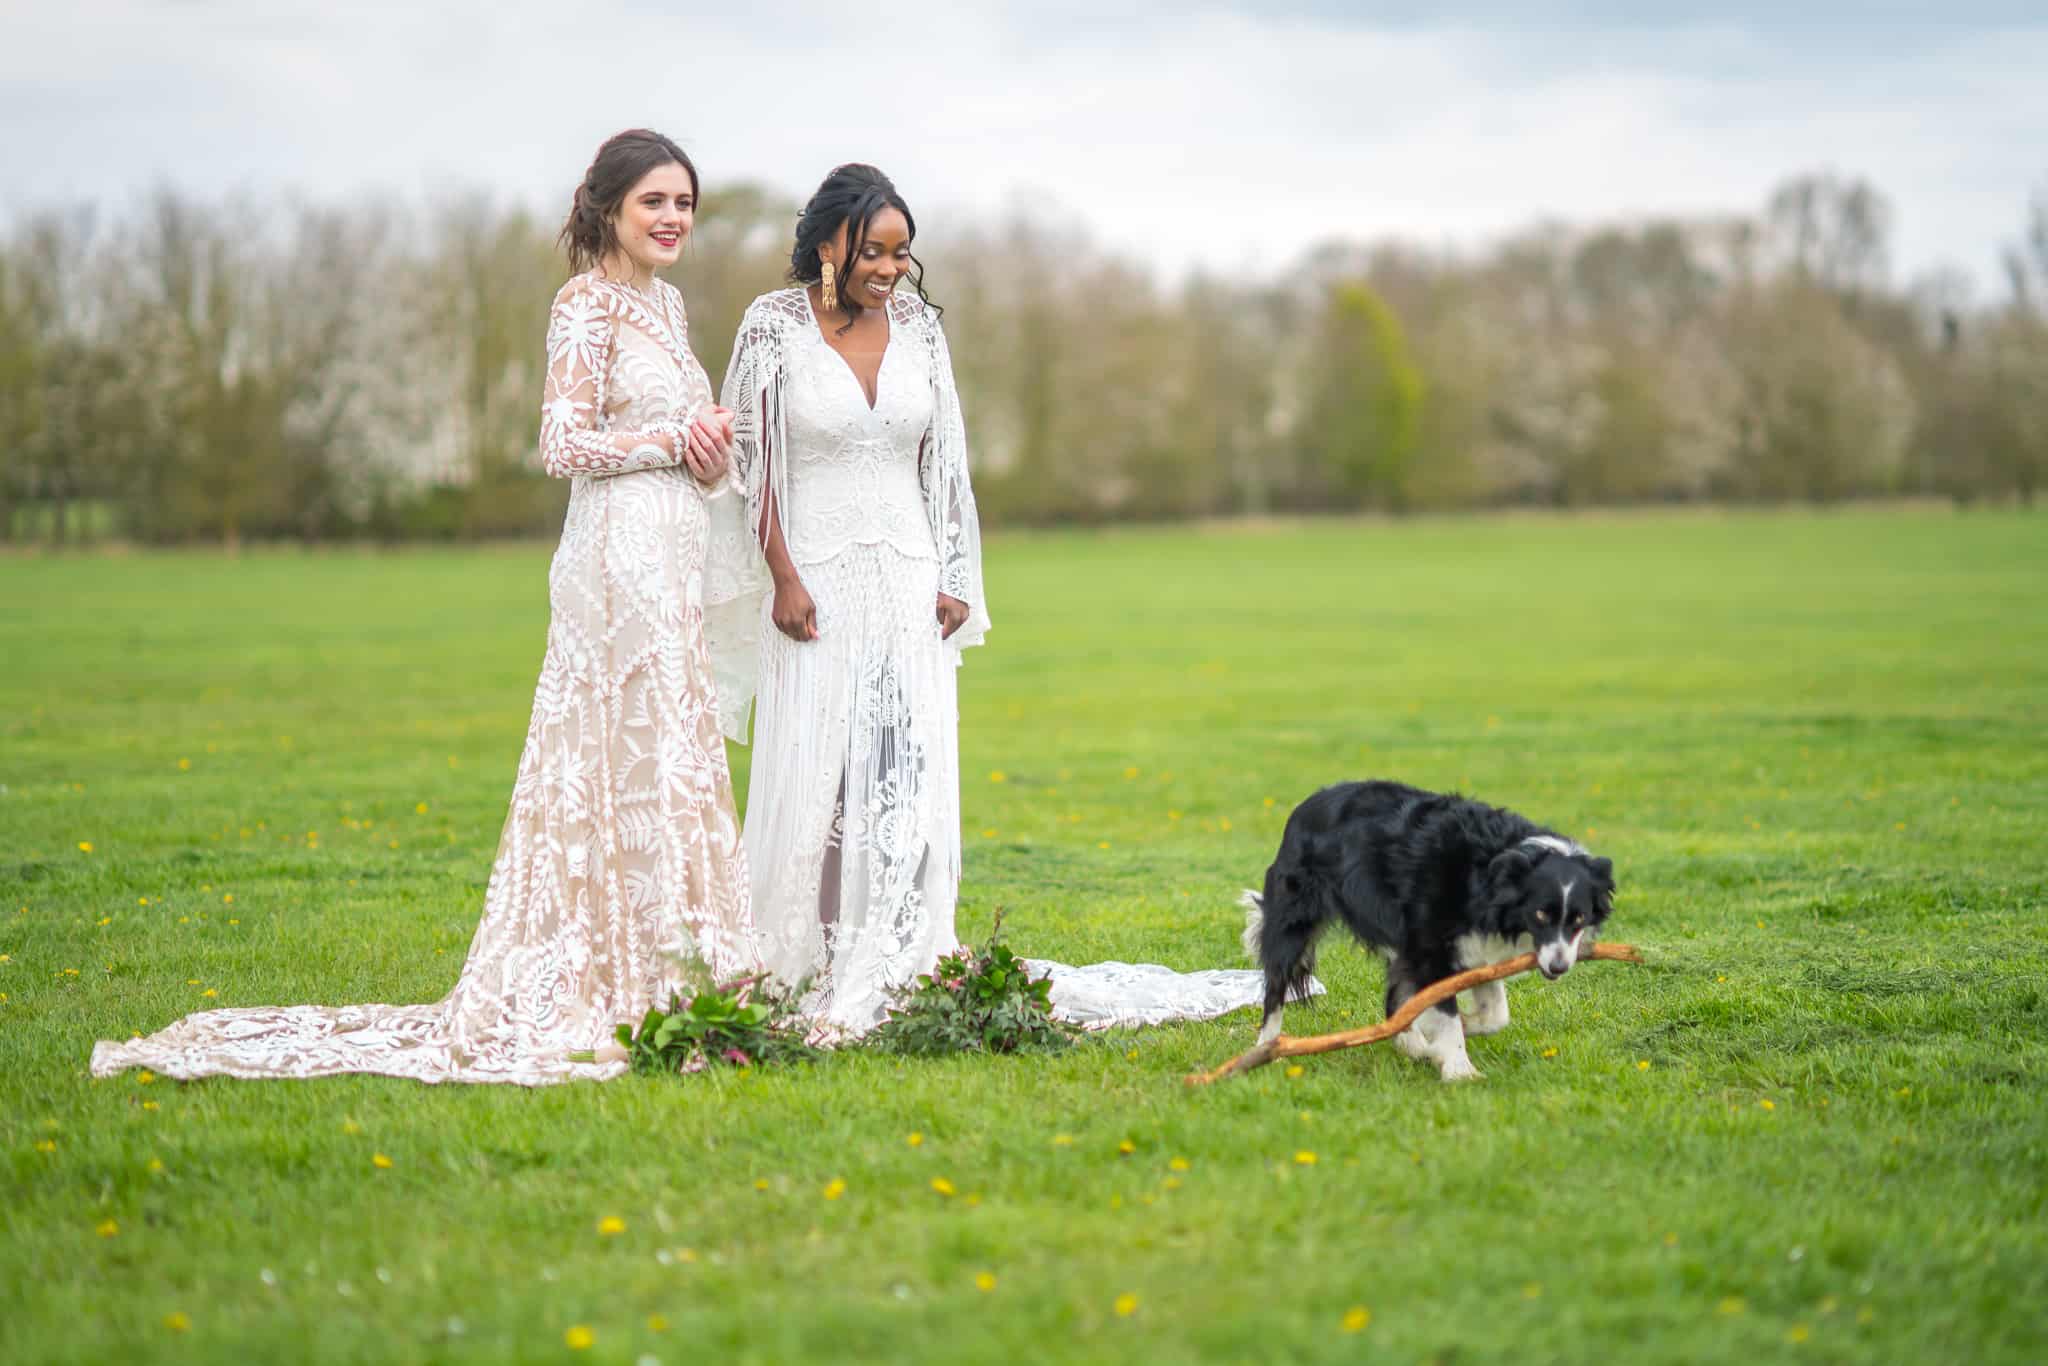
[[818, 331]]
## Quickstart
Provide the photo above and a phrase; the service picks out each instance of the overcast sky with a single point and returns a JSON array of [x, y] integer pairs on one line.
[[1229, 135]]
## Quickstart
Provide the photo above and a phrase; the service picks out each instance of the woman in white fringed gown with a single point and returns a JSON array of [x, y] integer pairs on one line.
[[843, 591], [620, 858]]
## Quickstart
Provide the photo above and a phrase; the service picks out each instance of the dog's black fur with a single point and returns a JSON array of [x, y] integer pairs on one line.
[[1435, 882]]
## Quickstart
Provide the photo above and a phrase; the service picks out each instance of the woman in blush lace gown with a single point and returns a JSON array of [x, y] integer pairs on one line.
[[843, 591], [620, 858]]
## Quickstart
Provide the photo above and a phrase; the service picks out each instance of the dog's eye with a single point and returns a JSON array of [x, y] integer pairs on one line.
[[1543, 917]]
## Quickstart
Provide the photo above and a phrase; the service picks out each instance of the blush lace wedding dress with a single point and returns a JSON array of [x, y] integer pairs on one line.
[[620, 856]]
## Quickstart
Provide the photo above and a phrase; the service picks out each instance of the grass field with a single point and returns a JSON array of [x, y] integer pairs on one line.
[[1814, 1127]]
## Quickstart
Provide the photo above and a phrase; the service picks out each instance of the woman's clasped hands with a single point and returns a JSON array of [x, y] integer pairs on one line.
[[705, 443]]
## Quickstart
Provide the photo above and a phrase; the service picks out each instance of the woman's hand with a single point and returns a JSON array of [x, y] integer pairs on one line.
[[795, 615], [952, 615], [707, 444]]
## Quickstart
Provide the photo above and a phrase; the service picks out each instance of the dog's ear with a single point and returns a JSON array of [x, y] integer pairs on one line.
[[1603, 886], [1510, 868]]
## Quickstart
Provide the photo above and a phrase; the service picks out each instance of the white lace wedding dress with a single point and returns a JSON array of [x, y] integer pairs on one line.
[[620, 855], [853, 805]]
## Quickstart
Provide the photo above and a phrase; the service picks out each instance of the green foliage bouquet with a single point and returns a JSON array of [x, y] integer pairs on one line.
[[973, 1001], [742, 1023]]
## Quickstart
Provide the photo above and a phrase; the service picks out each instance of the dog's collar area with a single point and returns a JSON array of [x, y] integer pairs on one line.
[[1556, 844]]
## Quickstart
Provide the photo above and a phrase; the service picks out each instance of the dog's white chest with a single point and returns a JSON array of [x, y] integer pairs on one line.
[[1482, 950]]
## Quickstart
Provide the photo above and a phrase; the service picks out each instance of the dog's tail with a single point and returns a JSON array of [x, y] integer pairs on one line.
[[1254, 922]]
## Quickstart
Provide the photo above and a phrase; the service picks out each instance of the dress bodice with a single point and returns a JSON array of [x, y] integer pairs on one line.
[[854, 469]]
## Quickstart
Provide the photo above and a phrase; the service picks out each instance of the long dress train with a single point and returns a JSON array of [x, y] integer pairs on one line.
[[620, 858]]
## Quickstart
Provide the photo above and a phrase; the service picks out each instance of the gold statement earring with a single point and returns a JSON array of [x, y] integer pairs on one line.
[[831, 293]]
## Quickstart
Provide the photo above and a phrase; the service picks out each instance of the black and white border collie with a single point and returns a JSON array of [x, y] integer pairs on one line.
[[1436, 884]]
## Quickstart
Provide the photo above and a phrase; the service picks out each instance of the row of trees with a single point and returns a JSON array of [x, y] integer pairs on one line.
[[264, 369]]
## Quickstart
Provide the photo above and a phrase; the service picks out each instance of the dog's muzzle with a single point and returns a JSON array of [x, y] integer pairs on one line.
[[1555, 959]]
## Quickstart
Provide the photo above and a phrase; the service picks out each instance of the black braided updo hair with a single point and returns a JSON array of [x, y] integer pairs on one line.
[[587, 236], [852, 195]]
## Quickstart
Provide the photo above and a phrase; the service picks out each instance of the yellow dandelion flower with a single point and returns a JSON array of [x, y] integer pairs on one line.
[[1548, 1053], [1798, 1333], [142, 901], [151, 1105], [1132, 1055], [1532, 1291], [1304, 1158], [47, 1145], [1062, 1140], [227, 898], [1126, 1147], [686, 1254], [1130, 773], [1296, 1070], [1733, 1304], [834, 1188], [998, 776], [611, 1226], [1179, 1164], [380, 1161], [108, 1229], [984, 1281], [1269, 803], [579, 1337], [178, 1322], [106, 920], [656, 1324], [144, 1077], [6, 958], [915, 1140], [761, 1184], [942, 1186], [85, 846], [184, 764], [209, 992], [1642, 1064], [420, 810], [1671, 1240], [1224, 824], [156, 1166], [1357, 1316], [1102, 844], [1126, 1305], [1767, 1103]]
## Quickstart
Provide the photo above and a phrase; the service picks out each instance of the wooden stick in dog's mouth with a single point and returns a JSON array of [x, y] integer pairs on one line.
[[1282, 1046]]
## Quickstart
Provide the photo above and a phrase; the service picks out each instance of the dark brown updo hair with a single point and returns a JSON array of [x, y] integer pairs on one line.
[[587, 236], [850, 197]]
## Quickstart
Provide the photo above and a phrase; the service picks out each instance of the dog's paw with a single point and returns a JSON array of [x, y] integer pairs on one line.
[[1460, 1069], [1411, 1043], [1483, 1022]]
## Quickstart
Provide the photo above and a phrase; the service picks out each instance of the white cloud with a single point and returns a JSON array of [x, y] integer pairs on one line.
[[1216, 137]]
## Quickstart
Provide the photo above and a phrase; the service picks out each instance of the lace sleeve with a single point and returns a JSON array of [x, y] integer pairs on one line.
[[949, 496], [582, 344], [737, 578]]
